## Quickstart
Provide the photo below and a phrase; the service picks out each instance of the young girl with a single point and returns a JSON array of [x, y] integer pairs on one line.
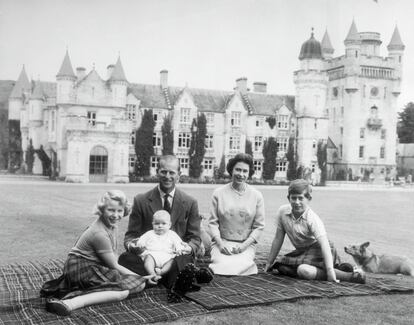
[[91, 274], [160, 245], [314, 256]]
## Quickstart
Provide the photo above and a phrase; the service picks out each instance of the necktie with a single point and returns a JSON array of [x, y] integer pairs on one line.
[[167, 206]]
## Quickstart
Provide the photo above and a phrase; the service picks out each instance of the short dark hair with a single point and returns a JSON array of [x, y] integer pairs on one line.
[[240, 157], [168, 158], [298, 186]]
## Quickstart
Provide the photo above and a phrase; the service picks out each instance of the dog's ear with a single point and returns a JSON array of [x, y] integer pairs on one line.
[[365, 245]]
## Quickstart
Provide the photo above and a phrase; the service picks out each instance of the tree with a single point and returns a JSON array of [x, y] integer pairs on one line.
[[405, 127], [290, 156], [197, 146], [144, 148], [248, 148], [30, 157], [15, 151], [322, 158], [167, 136], [222, 168], [269, 155]]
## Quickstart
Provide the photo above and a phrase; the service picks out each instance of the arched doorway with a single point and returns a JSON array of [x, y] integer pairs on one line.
[[98, 165]]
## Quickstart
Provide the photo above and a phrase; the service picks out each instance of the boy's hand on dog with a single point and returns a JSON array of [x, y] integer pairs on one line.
[[135, 248]]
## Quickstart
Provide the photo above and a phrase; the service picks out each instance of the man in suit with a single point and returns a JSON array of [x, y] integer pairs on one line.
[[185, 220]]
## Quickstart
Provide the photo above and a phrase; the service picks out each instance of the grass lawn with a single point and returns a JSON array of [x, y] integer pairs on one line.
[[42, 220]]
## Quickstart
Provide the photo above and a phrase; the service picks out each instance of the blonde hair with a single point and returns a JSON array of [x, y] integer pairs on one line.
[[161, 213], [115, 195]]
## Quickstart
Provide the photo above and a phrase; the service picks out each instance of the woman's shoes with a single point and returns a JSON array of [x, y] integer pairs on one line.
[[57, 306]]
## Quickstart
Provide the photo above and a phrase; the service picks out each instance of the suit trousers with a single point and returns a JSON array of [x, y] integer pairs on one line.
[[134, 263]]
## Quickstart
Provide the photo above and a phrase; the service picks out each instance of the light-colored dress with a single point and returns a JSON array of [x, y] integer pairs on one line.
[[162, 248], [234, 217]]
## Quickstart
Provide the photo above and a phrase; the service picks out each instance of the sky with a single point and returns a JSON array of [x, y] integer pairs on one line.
[[203, 44]]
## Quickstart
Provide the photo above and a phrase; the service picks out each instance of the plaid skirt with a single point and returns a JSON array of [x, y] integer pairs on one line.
[[81, 276], [311, 255]]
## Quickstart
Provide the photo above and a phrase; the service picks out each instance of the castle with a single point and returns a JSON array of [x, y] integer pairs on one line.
[[86, 124]]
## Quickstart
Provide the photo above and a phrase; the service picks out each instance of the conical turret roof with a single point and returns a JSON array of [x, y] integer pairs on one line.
[[66, 69], [22, 84], [118, 73], [352, 34], [38, 91], [326, 43], [396, 42], [311, 49]]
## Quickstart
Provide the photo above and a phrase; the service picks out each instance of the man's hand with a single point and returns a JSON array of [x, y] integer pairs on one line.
[[185, 250], [134, 247]]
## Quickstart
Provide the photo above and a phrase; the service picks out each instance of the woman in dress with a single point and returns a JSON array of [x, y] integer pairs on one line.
[[236, 221]]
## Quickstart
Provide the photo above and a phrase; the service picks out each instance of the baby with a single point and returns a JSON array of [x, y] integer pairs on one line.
[[159, 246]]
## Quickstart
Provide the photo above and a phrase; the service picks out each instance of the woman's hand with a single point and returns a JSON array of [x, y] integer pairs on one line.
[[223, 248], [268, 267], [240, 248]]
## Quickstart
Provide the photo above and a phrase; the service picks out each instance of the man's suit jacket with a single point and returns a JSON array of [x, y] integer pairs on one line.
[[185, 219]]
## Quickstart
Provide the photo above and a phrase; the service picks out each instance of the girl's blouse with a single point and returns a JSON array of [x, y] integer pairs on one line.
[[96, 239], [236, 216]]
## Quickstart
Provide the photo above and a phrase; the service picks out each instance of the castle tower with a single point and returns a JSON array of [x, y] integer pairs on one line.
[[311, 88], [327, 49], [118, 84], [352, 42], [16, 98], [65, 82], [35, 114], [396, 51]]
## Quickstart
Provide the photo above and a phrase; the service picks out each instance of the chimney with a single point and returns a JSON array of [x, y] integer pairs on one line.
[[259, 87], [164, 79], [109, 70], [241, 84], [80, 73]]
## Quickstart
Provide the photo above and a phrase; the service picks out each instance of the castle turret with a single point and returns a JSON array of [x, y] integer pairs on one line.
[[311, 88], [66, 79], [118, 84], [327, 49], [352, 42], [16, 99], [396, 51]]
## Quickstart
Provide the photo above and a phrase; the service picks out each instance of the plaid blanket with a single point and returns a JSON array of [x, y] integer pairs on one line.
[[20, 302], [264, 288]]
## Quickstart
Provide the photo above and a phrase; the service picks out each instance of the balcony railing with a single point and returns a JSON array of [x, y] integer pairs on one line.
[[374, 123]]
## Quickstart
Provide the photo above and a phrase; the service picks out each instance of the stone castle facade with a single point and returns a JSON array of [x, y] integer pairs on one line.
[[86, 123]]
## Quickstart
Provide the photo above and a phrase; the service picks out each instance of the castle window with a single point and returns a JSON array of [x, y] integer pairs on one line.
[[234, 143], [282, 144], [341, 130], [184, 140], [155, 116], [208, 164], [374, 111], [91, 118], [235, 118], [132, 112], [258, 143], [154, 161], [131, 161], [208, 144], [132, 138], [52, 121], [340, 150], [382, 152], [257, 166], [156, 140], [281, 166], [364, 88], [185, 115], [342, 111], [361, 151], [362, 133], [259, 122], [315, 124], [282, 121], [184, 162]]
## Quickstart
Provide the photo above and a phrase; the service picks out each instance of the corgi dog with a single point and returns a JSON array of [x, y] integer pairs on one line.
[[370, 262]]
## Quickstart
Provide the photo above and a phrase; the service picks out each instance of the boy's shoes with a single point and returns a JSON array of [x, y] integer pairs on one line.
[[57, 306], [185, 280], [358, 277], [286, 270], [204, 275]]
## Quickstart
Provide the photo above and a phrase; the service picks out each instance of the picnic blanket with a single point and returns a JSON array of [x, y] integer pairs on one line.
[[20, 302]]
